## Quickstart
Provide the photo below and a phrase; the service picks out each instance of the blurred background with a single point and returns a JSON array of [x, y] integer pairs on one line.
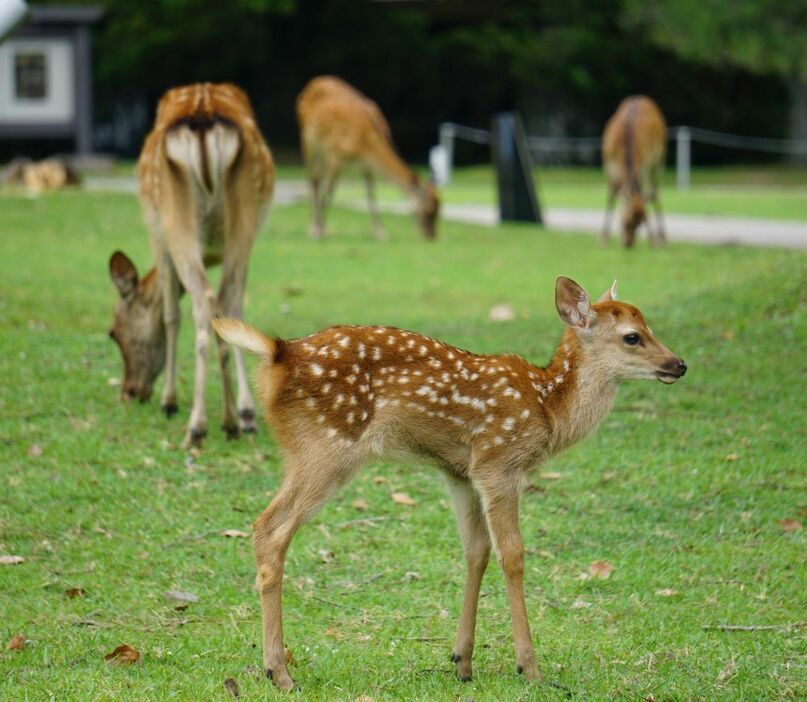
[[735, 67]]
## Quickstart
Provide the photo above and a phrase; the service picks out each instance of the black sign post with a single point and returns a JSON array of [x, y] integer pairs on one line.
[[511, 156]]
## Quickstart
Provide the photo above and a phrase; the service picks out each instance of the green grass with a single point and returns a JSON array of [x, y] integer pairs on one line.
[[683, 487], [748, 192]]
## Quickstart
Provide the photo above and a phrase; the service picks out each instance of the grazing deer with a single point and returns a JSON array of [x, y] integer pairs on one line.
[[634, 145], [206, 178], [345, 394], [339, 125]]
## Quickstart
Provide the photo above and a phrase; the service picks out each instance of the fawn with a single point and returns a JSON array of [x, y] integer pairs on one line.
[[345, 394], [206, 177], [339, 125], [634, 145]]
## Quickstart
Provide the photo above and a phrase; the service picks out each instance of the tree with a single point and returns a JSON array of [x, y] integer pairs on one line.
[[762, 36]]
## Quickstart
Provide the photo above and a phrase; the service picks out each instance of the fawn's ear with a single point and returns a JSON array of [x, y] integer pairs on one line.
[[573, 303], [123, 273], [609, 295]]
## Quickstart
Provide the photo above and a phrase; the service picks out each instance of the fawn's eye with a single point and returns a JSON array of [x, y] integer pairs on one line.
[[631, 339]]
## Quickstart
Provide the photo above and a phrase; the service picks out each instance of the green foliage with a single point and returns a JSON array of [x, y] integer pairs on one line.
[[112, 505], [764, 36]]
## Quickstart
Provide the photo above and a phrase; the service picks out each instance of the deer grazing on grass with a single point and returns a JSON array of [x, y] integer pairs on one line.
[[634, 145], [206, 178], [345, 394], [338, 126]]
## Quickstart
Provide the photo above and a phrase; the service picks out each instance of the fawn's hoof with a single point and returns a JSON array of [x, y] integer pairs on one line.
[[170, 409], [462, 667], [530, 672], [231, 431], [281, 679]]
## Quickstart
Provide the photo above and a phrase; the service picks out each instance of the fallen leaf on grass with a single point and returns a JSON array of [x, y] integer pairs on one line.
[[608, 475], [583, 576], [326, 555], [11, 560], [364, 698], [74, 592], [360, 504], [790, 524], [180, 596], [728, 672], [34, 451], [401, 498], [123, 655], [114, 382], [289, 656], [731, 457], [551, 475], [501, 313], [580, 604], [334, 633], [17, 643], [411, 576], [666, 592], [232, 687], [379, 479], [234, 534], [600, 569], [532, 488]]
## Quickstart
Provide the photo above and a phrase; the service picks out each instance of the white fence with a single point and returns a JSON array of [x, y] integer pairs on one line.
[[547, 149]]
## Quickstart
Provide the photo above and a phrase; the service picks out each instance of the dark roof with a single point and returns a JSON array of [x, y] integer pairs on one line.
[[64, 14]]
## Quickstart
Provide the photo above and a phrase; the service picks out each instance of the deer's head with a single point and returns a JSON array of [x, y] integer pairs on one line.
[[137, 328], [633, 215], [428, 207], [615, 336]]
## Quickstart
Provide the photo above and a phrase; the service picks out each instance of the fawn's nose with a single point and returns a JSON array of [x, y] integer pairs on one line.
[[682, 367]]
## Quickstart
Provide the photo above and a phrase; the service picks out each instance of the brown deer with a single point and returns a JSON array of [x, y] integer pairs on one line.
[[634, 144], [339, 126], [346, 394], [206, 178]]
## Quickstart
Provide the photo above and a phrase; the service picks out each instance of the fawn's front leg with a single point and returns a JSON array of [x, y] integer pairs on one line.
[[500, 493]]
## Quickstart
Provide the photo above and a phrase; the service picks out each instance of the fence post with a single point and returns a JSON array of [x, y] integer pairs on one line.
[[514, 177], [447, 142], [683, 153]]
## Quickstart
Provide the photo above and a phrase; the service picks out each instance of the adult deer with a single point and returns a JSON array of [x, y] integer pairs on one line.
[[338, 126], [345, 394], [634, 145], [206, 178]]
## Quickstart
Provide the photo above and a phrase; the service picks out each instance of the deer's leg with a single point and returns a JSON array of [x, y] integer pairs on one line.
[[191, 273], [308, 483], [500, 493], [372, 204], [169, 284], [609, 212], [326, 188], [476, 546], [231, 303], [661, 236]]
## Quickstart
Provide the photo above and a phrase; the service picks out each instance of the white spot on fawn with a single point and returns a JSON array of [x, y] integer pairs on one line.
[[508, 424], [317, 369]]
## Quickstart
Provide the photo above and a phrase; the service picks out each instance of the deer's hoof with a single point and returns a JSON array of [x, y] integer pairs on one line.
[[170, 409], [246, 419], [194, 438], [231, 431]]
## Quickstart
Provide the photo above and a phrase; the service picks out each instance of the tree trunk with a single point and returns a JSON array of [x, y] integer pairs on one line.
[[797, 86]]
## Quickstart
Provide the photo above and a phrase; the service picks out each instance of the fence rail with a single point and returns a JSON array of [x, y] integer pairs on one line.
[[548, 147]]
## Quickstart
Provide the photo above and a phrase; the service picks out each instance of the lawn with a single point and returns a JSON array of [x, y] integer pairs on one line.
[[693, 493]]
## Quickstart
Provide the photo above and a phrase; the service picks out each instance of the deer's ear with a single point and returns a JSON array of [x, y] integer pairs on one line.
[[573, 303], [123, 273], [609, 295]]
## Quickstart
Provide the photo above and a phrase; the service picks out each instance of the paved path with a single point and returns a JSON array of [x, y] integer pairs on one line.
[[701, 229]]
